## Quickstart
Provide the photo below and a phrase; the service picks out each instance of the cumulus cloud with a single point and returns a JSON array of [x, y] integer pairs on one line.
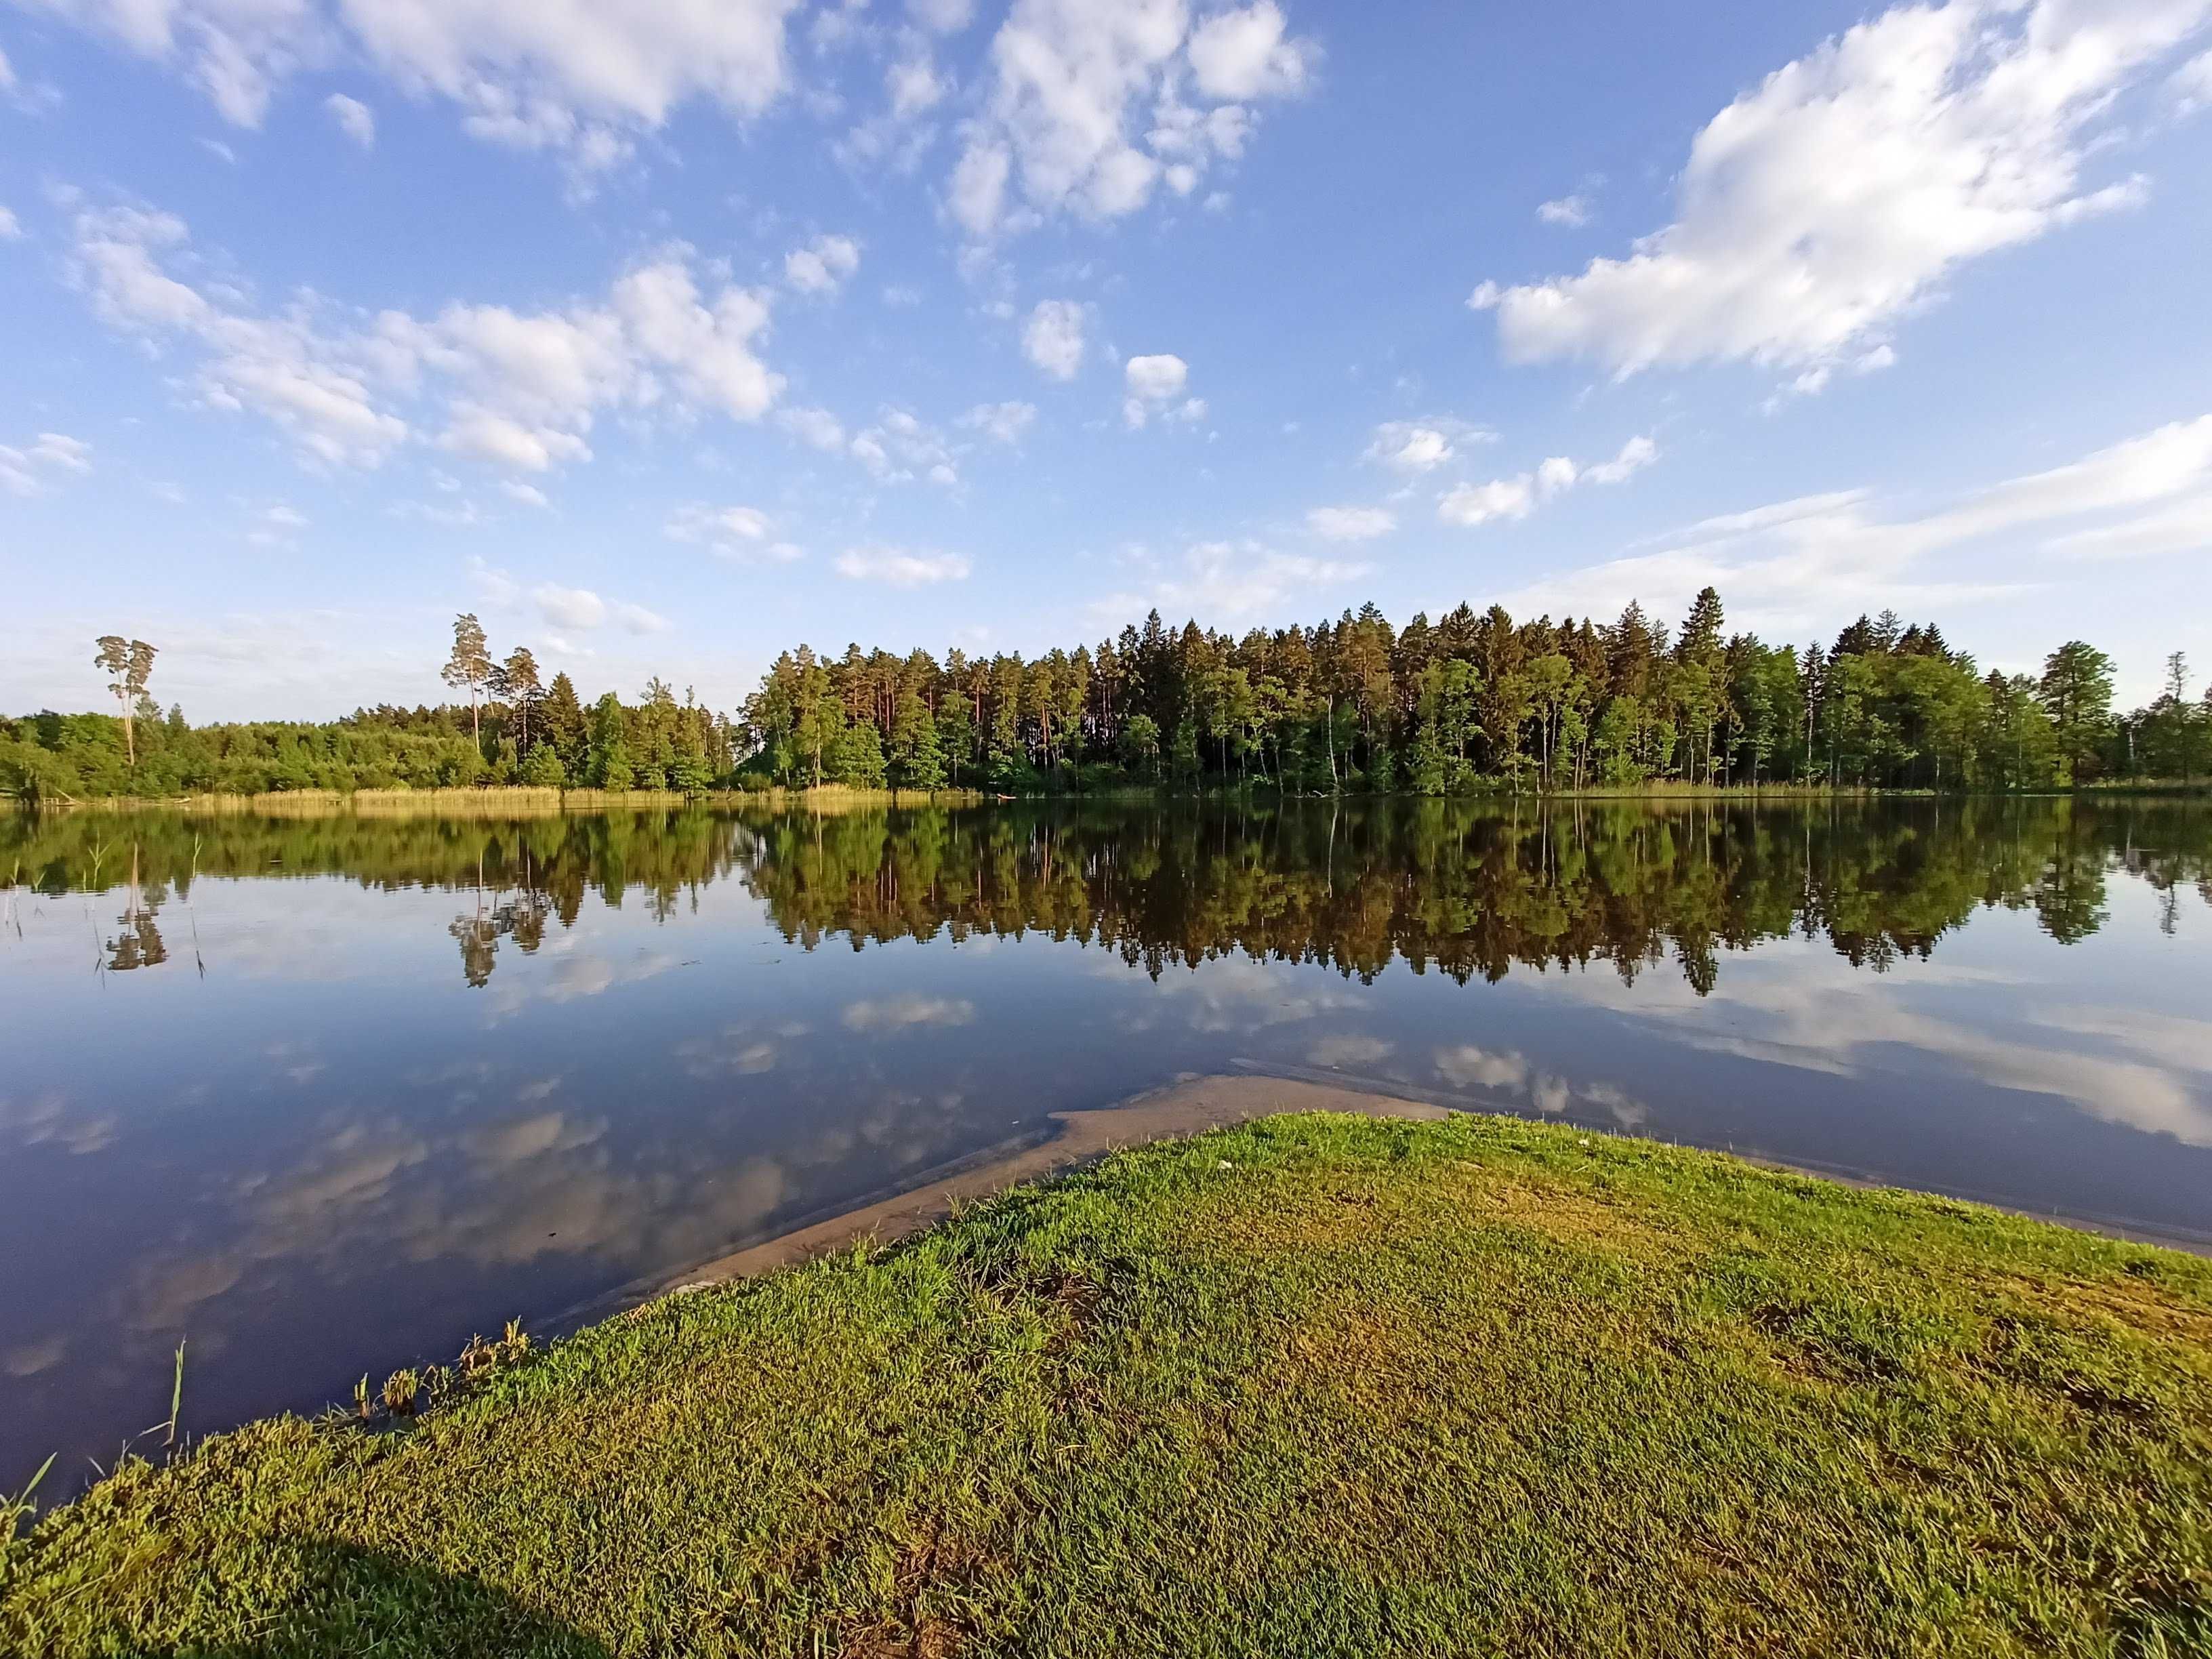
[[1472, 504], [582, 77], [1571, 212], [27, 471], [1350, 523], [1154, 383], [898, 567], [822, 265], [1091, 103], [1819, 208], [1242, 55], [517, 390], [11, 228], [1155, 377], [355, 118], [1053, 337]]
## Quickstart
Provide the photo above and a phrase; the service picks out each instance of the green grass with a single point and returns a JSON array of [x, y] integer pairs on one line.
[[1318, 1385]]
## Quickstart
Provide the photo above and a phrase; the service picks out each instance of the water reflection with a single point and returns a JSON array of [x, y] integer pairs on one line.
[[1470, 891], [277, 1116]]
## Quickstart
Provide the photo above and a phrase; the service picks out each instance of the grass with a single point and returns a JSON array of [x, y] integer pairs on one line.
[[1318, 1385], [505, 800]]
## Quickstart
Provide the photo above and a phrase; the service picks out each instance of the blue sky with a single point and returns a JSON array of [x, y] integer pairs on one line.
[[662, 335]]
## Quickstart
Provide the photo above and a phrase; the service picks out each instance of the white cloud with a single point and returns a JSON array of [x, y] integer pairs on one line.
[[1635, 455], [910, 1009], [1804, 563], [896, 567], [1469, 1068], [1501, 498], [738, 533], [1242, 55], [822, 265], [1154, 381], [942, 16], [355, 118], [699, 524], [817, 428], [1231, 581], [58, 449], [1818, 209], [2189, 88], [911, 86], [528, 494], [1157, 378], [636, 619], [26, 471], [1005, 423], [977, 194], [569, 607], [584, 78], [1423, 446], [901, 448], [11, 228], [2184, 528], [1572, 212], [517, 390], [1350, 523], [1472, 504], [1090, 101], [1053, 337]]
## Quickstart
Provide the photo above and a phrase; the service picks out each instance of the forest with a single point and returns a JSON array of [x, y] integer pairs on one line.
[[1472, 702]]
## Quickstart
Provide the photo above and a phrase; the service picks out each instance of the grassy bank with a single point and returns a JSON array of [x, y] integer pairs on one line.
[[1316, 1385], [510, 800]]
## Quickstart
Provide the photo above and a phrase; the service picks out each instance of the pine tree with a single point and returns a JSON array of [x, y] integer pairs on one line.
[[560, 720], [130, 664], [469, 667], [917, 760]]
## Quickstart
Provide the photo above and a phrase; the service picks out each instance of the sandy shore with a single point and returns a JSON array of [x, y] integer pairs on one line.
[[1181, 1109]]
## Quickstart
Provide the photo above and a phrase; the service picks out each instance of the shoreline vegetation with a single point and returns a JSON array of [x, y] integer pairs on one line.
[[494, 801], [1321, 1383], [1470, 704]]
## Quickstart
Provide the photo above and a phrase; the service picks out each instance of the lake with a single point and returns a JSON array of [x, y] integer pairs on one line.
[[324, 1095]]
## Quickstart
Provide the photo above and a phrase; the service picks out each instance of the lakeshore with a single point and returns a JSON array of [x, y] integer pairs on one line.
[[1321, 1383]]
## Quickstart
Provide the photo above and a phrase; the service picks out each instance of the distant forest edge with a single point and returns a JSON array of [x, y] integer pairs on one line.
[[1471, 702]]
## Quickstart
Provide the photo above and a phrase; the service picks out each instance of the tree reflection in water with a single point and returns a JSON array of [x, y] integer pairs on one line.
[[1469, 890]]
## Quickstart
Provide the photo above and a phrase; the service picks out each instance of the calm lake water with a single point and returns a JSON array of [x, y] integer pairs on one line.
[[327, 1095]]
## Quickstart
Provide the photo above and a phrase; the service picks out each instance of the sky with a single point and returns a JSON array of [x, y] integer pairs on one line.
[[664, 334]]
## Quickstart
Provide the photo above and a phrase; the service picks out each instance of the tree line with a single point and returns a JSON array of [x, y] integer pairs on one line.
[[1469, 703]]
